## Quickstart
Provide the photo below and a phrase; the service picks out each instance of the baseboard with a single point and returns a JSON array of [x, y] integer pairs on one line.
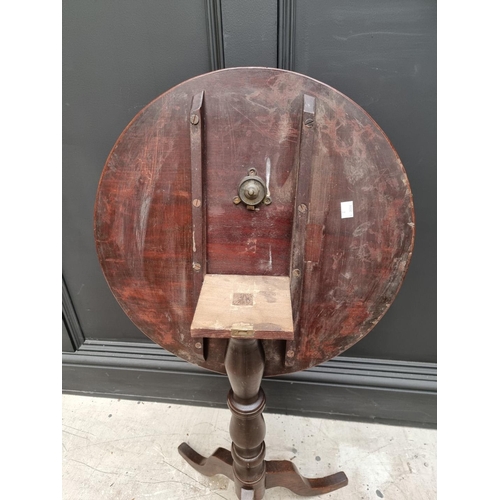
[[395, 392]]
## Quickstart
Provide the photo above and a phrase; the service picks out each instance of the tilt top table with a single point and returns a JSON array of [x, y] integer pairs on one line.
[[254, 222]]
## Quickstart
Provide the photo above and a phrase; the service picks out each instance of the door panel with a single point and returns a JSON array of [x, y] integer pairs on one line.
[[250, 33], [118, 56]]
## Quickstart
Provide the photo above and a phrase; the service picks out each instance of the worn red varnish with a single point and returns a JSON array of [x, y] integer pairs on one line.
[[353, 267]]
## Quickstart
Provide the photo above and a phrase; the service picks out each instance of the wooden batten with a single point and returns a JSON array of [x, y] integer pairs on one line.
[[244, 307]]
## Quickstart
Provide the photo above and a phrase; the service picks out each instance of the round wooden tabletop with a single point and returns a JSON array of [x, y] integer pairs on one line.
[[340, 222]]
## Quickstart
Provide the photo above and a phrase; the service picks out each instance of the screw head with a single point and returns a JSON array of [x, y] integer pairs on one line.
[[198, 345], [302, 208], [194, 119], [309, 122], [296, 272], [196, 266], [267, 200], [252, 171], [196, 202], [236, 200], [290, 354]]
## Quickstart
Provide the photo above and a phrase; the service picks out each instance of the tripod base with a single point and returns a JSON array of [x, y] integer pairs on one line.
[[245, 464], [277, 473]]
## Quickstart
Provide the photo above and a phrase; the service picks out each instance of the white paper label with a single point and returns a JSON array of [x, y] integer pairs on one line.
[[346, 209]]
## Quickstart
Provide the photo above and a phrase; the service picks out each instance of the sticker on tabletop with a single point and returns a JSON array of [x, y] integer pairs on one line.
[[346, 209]]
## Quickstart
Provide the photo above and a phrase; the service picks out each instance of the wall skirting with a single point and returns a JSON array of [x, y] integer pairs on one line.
[[396, 392]]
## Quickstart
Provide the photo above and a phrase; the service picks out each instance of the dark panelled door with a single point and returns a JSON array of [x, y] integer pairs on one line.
[[119, 55]]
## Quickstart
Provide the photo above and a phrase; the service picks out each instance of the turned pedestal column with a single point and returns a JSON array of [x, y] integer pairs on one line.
[[246, 400]]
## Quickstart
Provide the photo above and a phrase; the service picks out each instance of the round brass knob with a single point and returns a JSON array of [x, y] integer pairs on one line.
[[252, 190]]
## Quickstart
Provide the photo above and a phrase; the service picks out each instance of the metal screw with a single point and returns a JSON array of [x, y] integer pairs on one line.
[[196, 266], [195, 119], [267, 200], [196, 203], [309, 122], [198, 345], [236, 200], [296, 272], [290, 354], [302, 208], [252, 171]]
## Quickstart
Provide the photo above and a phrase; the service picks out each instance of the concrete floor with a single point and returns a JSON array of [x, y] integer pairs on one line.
[[127, 450]]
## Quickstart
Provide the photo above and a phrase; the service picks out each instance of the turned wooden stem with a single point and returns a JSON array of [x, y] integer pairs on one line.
[[245, 366]]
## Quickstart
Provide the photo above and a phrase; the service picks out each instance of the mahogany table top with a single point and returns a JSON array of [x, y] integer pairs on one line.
[[340, 224]]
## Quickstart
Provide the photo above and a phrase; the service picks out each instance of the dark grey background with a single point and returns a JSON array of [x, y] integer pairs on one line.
[[118, 55]]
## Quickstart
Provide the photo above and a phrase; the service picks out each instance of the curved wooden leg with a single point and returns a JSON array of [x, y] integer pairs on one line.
[[284, 473], [220, 462]]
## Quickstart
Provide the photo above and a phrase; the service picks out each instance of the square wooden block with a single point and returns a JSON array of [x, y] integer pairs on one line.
[[244, 306]]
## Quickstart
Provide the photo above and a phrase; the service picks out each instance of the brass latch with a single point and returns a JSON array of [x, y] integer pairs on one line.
[[252, 190], [242, 330]]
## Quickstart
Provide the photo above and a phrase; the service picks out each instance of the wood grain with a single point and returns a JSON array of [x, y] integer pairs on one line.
[[353, 267], [244, 306]]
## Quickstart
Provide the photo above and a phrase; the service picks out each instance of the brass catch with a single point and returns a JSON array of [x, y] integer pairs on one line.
[[242, 331]]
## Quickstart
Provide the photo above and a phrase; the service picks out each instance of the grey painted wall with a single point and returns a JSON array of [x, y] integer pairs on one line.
[[118, 56]]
